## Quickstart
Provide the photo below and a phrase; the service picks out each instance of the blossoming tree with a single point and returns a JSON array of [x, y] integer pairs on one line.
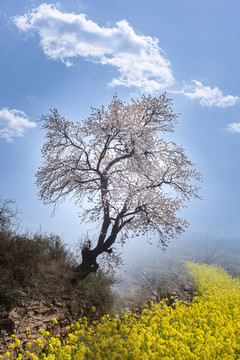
[[120, 170]]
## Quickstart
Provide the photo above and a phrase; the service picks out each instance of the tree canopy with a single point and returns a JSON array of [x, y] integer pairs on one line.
[[120, 170]]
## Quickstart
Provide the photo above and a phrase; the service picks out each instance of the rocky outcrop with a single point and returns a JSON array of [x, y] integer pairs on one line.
[[38, 314]]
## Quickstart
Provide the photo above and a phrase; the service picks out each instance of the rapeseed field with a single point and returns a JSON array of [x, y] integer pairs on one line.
[[207, 329]]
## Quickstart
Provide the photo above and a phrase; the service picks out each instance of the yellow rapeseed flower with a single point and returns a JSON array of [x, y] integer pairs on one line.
[[207, 329], [54, 321]]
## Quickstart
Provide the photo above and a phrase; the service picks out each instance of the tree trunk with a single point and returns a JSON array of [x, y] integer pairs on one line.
[[89, 256], [88, 265]]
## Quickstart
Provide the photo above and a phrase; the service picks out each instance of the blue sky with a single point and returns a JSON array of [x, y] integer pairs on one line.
[[75, 54]]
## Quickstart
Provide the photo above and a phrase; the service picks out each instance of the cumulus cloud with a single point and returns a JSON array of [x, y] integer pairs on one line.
[[208, 96], [63, 36], [13, 123], [138, 59], [234, 128]]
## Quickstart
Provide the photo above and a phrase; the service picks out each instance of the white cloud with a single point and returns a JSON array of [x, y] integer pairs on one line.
[[13, 123], [234, 128], [208, 96], [139, 60]]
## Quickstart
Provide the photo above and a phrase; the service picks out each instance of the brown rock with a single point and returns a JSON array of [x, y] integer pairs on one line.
[[13, 315]]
